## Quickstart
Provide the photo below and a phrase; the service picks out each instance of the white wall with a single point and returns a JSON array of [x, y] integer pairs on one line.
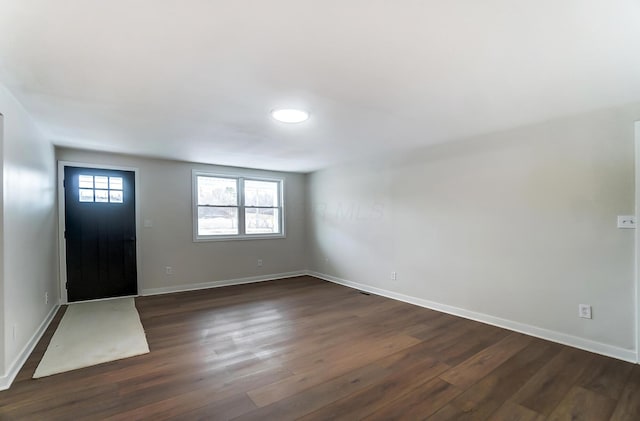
[[29, 231], [516, 227], [165, 199]]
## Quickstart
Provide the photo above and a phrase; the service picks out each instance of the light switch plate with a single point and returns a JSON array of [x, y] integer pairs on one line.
[[626, 221]]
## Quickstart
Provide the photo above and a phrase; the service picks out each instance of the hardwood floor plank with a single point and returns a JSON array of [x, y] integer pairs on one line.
[[409, 369], [437, 325], [628, 407], [419, 403], [606, 376], [476, 338], [449, 337], [485, 361], [320, 368], [86, 402], [224, 410], [295, 406], [583, 405], [187, 395], [195, 404], [513, 412], [486, 396], [450, 412], [544, 391]]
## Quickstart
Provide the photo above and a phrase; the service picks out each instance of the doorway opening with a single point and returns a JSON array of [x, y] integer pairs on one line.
[[98, 232]]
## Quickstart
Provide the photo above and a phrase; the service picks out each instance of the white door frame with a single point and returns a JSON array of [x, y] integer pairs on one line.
[[62, 249], [637, 238]]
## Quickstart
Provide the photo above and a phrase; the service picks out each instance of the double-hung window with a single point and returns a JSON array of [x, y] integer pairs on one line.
[[231, 207]]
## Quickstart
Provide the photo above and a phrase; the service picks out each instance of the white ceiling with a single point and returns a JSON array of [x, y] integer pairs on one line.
[[196, 79]]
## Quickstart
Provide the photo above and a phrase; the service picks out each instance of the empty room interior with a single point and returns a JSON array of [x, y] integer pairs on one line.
[[319, 210]]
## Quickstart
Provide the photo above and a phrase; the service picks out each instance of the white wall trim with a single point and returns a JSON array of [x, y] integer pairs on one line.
[[222, 283], [62, 250], [559, 337], [14, 368]]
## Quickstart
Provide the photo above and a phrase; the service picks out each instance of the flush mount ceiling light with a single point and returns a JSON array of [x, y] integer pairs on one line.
[[290, 115]]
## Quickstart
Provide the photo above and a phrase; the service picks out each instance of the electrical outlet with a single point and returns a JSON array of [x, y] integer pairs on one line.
[[394, 276], [168, 270], [46, 298], [584, 311], [259, 262]]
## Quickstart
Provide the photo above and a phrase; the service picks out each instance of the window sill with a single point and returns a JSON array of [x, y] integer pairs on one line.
[[207, 239]]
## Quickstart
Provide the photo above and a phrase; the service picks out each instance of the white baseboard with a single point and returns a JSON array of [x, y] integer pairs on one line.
[[12, 372], [559, 337], [222, 283]]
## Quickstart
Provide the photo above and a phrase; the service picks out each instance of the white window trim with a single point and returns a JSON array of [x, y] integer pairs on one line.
[[240, 236]]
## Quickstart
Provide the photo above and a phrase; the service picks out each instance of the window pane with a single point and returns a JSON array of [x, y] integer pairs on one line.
[[217, 191], [102, 195], [260, 193], [85, 181], [217, 221], [115, 183], [86, 195], [101, 182], [262, 221], [115, 196]]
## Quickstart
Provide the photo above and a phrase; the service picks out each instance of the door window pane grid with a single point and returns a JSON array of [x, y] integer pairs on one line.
[[100, 189]]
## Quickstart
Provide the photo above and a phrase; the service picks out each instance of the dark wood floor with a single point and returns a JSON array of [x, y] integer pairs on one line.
[[307, 349]]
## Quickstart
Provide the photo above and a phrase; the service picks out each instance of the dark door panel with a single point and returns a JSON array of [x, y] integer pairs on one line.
[[100, 233]]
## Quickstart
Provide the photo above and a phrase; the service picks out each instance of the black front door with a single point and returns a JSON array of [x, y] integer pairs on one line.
[[100, 233]]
